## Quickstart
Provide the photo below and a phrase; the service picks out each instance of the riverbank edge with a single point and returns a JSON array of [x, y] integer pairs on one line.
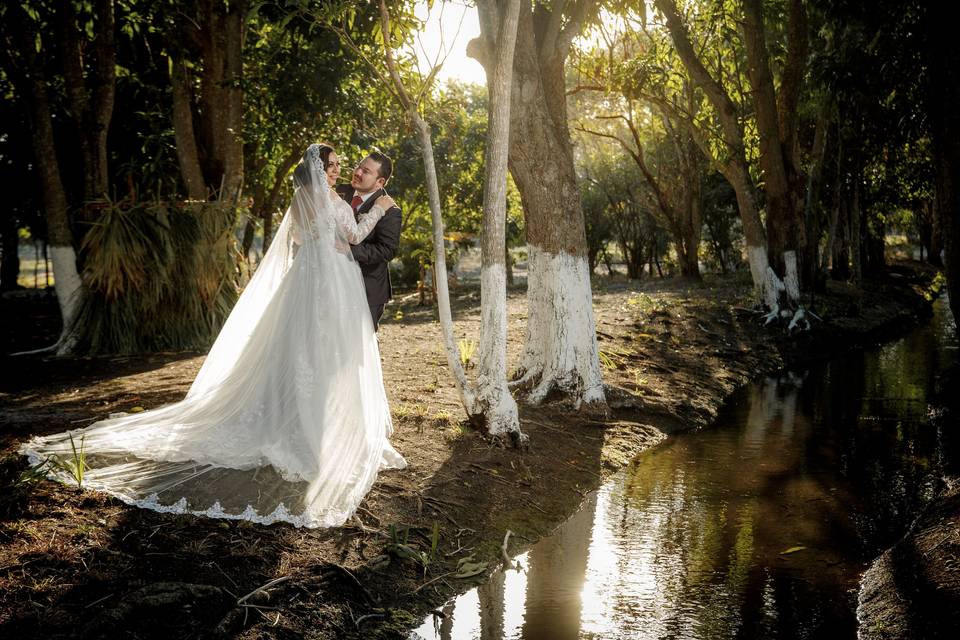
[[693, 345], [912, 590], [909, 301]]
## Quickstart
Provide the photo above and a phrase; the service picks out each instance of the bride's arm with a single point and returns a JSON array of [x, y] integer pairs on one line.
[[356, 231]]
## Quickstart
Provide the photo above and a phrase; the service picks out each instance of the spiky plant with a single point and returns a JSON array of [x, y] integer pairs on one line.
[[159, 276]]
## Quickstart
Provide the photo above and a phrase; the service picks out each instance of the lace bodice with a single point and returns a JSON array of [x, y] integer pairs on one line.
[[331, 220]]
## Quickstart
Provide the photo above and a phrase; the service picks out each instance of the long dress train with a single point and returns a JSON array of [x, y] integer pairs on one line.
[[287, 419]]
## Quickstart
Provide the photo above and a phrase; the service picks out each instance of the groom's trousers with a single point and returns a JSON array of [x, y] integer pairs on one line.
[[376, 313]]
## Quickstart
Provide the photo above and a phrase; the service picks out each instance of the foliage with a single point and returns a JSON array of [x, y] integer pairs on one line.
[[76, 465], [617, 210], [401, 548], [16, 483], [159, 275], [723, 234], [467, 349]]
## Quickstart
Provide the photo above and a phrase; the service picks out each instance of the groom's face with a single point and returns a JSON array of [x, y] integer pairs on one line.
[[366, 177]]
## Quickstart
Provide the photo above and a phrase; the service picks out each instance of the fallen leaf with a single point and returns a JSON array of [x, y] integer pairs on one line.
[[469, 569], [792, 550]]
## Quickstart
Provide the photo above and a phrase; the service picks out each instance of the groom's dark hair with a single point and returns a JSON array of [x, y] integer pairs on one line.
[[386, 164]]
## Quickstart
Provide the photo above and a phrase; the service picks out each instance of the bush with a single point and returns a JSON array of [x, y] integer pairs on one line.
[[158, 276]]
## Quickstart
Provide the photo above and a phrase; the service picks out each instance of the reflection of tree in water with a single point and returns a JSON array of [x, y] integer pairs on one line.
[[707, 513], [556, 570], [491, 595], [445, 628], [873, 405], [690, 540]]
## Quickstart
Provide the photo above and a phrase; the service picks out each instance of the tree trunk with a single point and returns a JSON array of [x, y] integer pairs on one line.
[[91, 97], [467, 394], [67, 283], [233, 92], [735, 169], [782, 224], [855, 227], [811, 210], [216, 144], [498, 26], [561, 350], [936, 234], [183, 132], [944, 100], [840, 256], [441, 293]]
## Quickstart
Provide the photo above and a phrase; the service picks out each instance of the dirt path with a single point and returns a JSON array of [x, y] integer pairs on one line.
[[80, 564]]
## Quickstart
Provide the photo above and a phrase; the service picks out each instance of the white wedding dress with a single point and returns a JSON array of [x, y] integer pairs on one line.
[[287, 419]]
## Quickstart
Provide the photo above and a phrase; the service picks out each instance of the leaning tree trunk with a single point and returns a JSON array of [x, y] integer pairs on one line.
[[466, 392], [561, 352], [498, 24], [767, 285]]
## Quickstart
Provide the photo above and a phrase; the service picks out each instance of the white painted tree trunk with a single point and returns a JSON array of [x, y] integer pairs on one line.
[[791, 280], [467, 394], [69, 288], [560, 353], [499, 409], [561, 350], [767, 285], [494, 402], [771, 288]]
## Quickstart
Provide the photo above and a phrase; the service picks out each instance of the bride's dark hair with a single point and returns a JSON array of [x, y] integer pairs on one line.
[[316, 154]]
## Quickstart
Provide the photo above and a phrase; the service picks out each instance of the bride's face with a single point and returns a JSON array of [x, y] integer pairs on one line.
[[333, 169]]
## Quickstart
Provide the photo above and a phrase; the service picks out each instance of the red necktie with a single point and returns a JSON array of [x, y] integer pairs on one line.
[[356, 202]]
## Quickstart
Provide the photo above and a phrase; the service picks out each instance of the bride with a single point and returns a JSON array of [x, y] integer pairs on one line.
[[287, 419]]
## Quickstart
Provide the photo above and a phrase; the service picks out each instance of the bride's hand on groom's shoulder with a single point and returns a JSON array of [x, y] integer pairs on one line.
[[385, 202]]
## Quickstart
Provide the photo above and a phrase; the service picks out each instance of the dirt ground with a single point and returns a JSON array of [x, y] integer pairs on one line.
[[79, 564]]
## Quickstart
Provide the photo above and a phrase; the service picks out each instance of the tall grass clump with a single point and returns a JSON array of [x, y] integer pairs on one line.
[[159, 276]]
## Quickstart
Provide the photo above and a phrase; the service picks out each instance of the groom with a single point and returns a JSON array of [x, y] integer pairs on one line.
[[377, 249]]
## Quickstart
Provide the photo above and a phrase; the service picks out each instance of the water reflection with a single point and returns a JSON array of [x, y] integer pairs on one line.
[[756, 528]]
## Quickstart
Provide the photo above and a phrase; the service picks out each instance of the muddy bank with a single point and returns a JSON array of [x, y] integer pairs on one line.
[[913, 589], [78, 564]]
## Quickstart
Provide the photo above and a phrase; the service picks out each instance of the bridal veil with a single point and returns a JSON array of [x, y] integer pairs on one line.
[[287, 419]]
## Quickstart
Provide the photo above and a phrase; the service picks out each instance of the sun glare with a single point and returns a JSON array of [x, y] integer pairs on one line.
[[449, 27]]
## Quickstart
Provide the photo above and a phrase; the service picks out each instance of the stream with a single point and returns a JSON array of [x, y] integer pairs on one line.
[[758, 527]]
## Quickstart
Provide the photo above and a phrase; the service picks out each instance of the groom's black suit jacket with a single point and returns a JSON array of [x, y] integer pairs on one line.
[[375, 251]]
